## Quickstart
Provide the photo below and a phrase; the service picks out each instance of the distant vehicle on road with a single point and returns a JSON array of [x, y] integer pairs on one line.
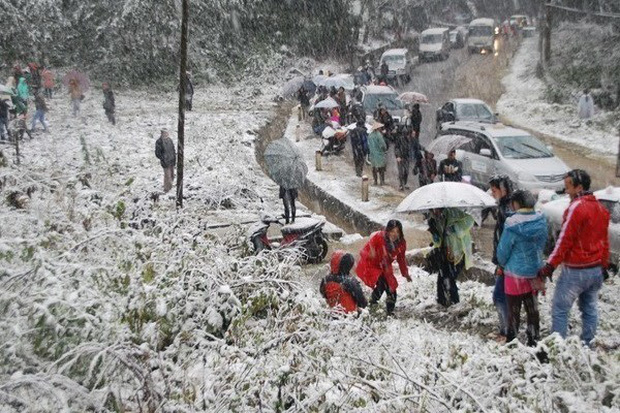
[[482, 34], [464, 109], [372, 95], [609, 197], [519, 21], [456, 39], [434, 44], [498, 149], [400, 67]]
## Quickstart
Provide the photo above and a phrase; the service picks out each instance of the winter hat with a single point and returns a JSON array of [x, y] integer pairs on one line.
[[376, 125]]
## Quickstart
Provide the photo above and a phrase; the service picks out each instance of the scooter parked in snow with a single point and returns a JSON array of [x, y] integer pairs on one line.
[[306, 235], [333, 141]]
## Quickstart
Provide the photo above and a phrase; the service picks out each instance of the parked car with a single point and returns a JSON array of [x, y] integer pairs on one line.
[[498, 149], [609, 197], [464, 109], [482, 33], [372, 95], [456, 39], [400, 67], [434, 44]]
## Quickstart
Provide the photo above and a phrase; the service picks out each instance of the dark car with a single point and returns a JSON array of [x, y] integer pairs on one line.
[[465, 109]]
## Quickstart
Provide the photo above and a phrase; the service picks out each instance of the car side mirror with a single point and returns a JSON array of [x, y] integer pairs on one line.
[[486, 152]]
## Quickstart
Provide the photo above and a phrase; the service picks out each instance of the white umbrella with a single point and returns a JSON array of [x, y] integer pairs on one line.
[[328, 103], [413, 97], [445, 143], [446, 195]]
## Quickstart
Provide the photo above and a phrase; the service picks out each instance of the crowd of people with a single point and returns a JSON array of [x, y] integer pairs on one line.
[[519, 240], [34, 86]]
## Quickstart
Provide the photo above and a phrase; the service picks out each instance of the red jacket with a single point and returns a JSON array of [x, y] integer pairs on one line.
[[340, 289], [584, 238], [376, 260]]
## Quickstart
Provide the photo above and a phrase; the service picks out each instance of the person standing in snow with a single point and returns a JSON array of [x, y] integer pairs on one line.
[[339, 288], [402, 151], [520, 255], [47, 78], [451, 232], [501, 189], [416, 119], [585, 108], [359, 146], [76, 95], [450, 169], [375, 265], [428, 169], [288, 197], [583, 249], [377, 149], [109, 105], [165, 152], [4, 118], [40, 109], [23, 93], [304, 102], [189, 91]]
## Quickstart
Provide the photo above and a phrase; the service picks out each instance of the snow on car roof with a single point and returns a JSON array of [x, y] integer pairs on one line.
[[485, 21], [436, 30], [395, 52], [468, 100], [611, 193], [492, 129]]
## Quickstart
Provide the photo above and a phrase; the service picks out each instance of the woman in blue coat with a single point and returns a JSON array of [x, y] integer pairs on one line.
[[520, 254]]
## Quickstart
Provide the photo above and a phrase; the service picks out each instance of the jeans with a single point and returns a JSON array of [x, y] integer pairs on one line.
[[577, 284], [501, 304], [76, 106], [40, 116]]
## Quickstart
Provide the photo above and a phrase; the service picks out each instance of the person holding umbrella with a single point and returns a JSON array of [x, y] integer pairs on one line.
[[451, 231], [375, 264], [288, 196], [377, 148]]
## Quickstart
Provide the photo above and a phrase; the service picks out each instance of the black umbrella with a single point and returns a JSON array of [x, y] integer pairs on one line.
[[285, 164]]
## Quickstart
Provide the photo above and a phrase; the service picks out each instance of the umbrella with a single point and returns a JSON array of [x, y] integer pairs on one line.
[[310, 87], [285, 164], [328, 103], [80, 78], [337, 81], [6, 90], [446, 195], [318, 79], [292, 86], [413, 97], [444, 144]]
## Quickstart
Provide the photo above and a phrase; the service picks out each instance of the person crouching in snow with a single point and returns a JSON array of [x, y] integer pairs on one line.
[[375, 265], [339, 288], [520, 254]]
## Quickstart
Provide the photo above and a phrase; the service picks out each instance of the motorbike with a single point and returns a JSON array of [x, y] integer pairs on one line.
[[306, 235]]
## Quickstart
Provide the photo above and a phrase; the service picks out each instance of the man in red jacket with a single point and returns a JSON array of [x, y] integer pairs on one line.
[[339, 288], [583, 248]]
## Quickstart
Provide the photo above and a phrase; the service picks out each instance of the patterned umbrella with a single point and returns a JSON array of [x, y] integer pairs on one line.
[[413, 97], [444, 144], [81, 79], [285, 164]]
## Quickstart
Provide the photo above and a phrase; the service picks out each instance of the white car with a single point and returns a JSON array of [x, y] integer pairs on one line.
[[554, 209], [495, 149]]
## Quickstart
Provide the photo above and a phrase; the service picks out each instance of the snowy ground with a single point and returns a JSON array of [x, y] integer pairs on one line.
[[112, 301], [523, 104]]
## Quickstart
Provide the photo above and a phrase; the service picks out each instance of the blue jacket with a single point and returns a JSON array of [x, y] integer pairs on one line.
[[520, 249]]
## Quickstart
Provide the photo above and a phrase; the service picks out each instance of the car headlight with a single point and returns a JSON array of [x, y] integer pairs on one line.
[[526, 177]]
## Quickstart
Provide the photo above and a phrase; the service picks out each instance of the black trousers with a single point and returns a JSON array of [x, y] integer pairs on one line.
[[530, 302], [447, 290], [110, 115], [358, 158], [380, 288], [381, 173], [403, 171], [289, 207]]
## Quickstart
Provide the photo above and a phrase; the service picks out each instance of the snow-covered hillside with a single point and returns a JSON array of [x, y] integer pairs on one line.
[[111, 300]]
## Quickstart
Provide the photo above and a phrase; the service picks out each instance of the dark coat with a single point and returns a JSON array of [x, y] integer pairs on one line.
[[164, 150], [302, 96], [4, 110], [293, 192], [456, 176], [416, 119], [503, 212], [402, 147], [359, 139], [109, 105], [39, 103]]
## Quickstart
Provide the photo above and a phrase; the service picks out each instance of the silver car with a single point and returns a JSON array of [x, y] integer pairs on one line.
[[498, 149]]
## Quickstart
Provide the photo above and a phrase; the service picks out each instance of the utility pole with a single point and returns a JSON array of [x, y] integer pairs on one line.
[[618, 157], [182, 86], [547, 39]]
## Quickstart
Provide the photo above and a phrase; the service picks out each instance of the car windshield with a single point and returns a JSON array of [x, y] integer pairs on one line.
[[522, 147], [389, 101], [394, 59], [431, 38], [478, 111], [477, 31]]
